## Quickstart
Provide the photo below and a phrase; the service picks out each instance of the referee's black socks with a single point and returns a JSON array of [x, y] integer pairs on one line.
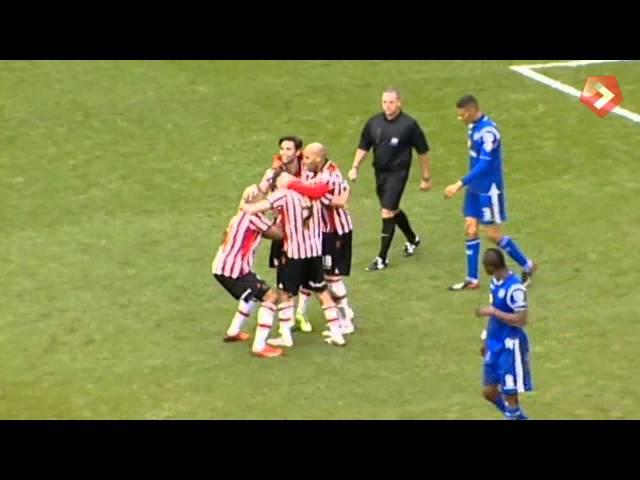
[[388, 228], [403, 223]]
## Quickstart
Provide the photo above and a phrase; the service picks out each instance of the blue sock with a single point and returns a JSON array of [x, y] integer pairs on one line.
[[499, 404], [513, 413], [511, 247], [473, 252]]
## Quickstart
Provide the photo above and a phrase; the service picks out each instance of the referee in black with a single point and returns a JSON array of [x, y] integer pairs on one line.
[[392, 134]]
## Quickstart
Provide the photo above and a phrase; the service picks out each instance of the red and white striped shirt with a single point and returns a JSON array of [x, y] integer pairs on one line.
[[334, 219], [302, 221], [238, 249]]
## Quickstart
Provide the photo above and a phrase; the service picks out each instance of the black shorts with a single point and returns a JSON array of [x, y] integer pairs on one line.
[[389, 187], [294, 273], [336, 253], [249, 287], [276, 253]]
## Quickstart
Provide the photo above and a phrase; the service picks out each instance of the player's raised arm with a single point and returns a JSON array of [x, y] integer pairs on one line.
[[250, 194], [314, 192], [265, 182], [272, 201], [258, 207]]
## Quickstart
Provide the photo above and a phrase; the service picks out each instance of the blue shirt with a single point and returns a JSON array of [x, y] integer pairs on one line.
[[510, 296], [485, 157]]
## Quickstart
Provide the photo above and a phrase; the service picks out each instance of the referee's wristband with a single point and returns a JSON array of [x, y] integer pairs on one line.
[[426, 179], [483, 335]]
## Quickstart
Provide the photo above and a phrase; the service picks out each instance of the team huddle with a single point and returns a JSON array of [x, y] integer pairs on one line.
[[305, 194], [300, 205]]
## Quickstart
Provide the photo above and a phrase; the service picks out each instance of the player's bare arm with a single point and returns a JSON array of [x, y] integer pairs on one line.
[[257, 207], [357, 161], [274, 232], [250, 194], [265, 182], [452, 189], [517, 319]]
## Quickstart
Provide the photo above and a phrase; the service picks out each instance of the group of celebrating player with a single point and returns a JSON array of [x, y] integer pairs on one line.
[[300, 205]]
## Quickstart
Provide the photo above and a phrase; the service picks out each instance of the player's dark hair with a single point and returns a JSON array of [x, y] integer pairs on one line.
[[495, 258], [467, 101], [297, 141]]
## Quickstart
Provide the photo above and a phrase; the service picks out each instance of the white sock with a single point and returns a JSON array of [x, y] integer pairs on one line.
[[285, 317], [303, 300], [245, 309], [265, 321], [345, 317], [339, 294], [333, 320]]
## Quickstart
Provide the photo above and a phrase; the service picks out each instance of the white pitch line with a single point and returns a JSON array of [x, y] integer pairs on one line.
[[527, 71], [572, 63]]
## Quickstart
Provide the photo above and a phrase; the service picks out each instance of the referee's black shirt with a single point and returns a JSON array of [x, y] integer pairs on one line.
[[392, 141]]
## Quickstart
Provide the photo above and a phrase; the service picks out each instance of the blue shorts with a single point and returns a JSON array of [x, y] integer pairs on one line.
[[488, 210], [508, 366]]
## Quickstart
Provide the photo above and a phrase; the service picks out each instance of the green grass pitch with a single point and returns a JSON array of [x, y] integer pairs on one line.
[[117, 179]]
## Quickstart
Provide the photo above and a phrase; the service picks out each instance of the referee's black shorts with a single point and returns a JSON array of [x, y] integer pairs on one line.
[[336, 253], [389, 187]]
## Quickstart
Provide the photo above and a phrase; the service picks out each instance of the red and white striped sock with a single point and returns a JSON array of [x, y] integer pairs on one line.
[[245, 309], [265, 321]]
